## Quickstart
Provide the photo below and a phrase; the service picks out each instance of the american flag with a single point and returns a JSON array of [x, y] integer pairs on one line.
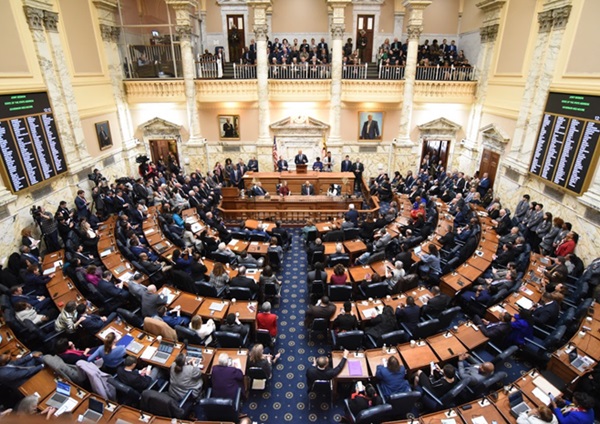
[[275, 154]]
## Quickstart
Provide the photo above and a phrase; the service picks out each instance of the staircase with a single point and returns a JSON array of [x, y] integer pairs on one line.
[[228, 70], [372, 71]]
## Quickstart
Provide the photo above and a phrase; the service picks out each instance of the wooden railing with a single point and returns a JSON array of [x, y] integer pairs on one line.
[[244, 71], [445, 73], [391, 72], [300, 71], [355, 71], [209, 69]]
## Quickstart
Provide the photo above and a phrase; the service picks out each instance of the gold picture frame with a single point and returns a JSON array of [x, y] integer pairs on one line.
[[373, 131], [229, 127], [104, 135]]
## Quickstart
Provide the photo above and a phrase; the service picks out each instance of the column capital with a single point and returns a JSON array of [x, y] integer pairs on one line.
[[416, 4], [560, 17], [50, 21], [261, 32], [337, 32], [545, 21], [414, 31], [489, 33], [182, 4], [110, 33], [491, 5], [184, 32], [35, 18], [108, 5]]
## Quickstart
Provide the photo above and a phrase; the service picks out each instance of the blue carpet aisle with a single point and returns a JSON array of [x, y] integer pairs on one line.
[[286, 397]]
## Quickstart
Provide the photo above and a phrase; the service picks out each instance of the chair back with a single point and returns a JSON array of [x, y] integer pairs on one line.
[[188, 335], [448, 400], [270, 289], [426, 329], [340, 293], [375, 414], [241, 293], [334, 236], [317, 256], [274, 261], [321, 387], [125, 394], [319, 324], [263, 337], [220, 410], [317, 288], [350, 340], [311, 236], [490, 383], [403, 403], [376, 257], [221, 257], [446, 317], [257, 373], [504, 355], [351, 233], [130, 318], [345, 261], [204, 288], [377, 290], [226, 339], [393, 338]]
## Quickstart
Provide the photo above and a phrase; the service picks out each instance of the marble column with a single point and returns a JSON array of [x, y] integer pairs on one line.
[[193, 155], [337, 28], [261, 30], [405, 150], [552, 22], [43, 25], [488, 33]]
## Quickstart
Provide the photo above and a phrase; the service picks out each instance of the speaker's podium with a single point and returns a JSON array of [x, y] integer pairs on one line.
[[301, 168]]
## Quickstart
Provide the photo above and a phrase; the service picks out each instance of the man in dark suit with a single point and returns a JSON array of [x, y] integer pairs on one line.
[[345, 321], [129, 375], [484, 185], [282, 164], [258, 190], [547, 313], [358, 168], [253, 164], [352, 214], [323, 309], [107, 287], [370, 129], [437, 304], [504, 223], [82, 205], [240, 280], [233, 325], [283, 235], [322, 46], [151, 300], [15, 373], [43, 305], [315, 246], [321, 371], [409, 314], [307, 189], [300, 158], [346, 164], [338, 256], [494, 330]]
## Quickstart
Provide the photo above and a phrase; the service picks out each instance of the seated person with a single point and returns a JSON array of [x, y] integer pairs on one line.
[[318, 165], [363, 398], [339, 276], [334, 190], [184, 376], [226, 378], [138, 380], [437, 304], [307, 189], [67, 351], [409, 314], [284, 190], [479, 294], [233, 325], [244, 259], [439, 381], [339, 255], [284, 236], [240, 280], [475, 373], [258, 190], [273, 247], [43, 305], [494, 330], [320, 370], [392, 377], [323, 309], [15, 373], [203, 330], [346, 320], [546, 313], [224, 250], [111, 354], [92, 323], [382, 324], [579, 411], [24, 311], [257, 358], [172, 317]]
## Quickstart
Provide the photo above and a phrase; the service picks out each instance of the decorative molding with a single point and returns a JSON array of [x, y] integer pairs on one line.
[[35, 18], [367, 2], [494, 138], [545, 21], [445, 91], [226, 90], [158, 127], [300, 90], [440, 127], [414, 31], [489, 33], [337, 32], [110, 33], [184, 32], [560, 17], [158, 90], [261, 32], [51, 21], [372, 90]]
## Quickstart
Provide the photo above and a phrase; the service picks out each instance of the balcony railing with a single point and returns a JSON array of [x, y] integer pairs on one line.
[[209, 69], [244, 71], [300, 71], [445, 73], [391, 72], [355, 71]]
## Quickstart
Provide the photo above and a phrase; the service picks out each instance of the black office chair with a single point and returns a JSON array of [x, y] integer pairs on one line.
[[264, 338], [258, 378], [273, 258], [350, 340], [376, 257], [130, 318], [375, 291], [219, 409], [448, 400], [226, 339], [393, 338], [271, 292], [240, 293], [351, 233], [334, 236], [488, 385], [345, 261], [340, 293], [423, 329], [403, 404], [126, 395], [311, 236], [373, 415], [188, 336], [539, 350], [316, 257], [162, 404], [223, 258], [317, 289], [205, 289], [446, 316], [318, 325], [321, 388]]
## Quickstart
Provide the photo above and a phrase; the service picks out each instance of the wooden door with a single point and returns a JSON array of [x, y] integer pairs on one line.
[[365, 23], [489, 163], [437, 150], [235, 36], [160, 149]]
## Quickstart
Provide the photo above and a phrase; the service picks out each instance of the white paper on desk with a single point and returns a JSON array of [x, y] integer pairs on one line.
[[525, 290], [49, 271], [545, 386], [196, 228], [190, 220], [149, 231], [109, 330], [254, 243], [126, 277], [232, 242], [149, 352], [326, 228], [449, 421], [525, 303], [236, 363], [58, 263], [478, 420], [105, 253], [216, 306], [425, 298], [265, 226], [497, 308], [68, 406], [370, 311], [543, 397]]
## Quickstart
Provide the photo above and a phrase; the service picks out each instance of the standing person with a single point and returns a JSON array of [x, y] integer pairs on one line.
[[300, 158], [82, 205], [358, 168], [346, 164], [362, 43]]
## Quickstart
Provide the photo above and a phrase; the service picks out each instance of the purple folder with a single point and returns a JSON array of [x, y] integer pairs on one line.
[[354, 368]]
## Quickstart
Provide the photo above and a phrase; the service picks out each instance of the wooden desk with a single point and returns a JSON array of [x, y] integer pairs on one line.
[[454, 282], [482, 408], [42, 383], [395, 301], [446, 346], [421, 295], [188, 303], [330, 248], [122, 328], [344, 375], [588, 344], [561, 366], [324, 227], [479, 262], [495, 313], [320, 180], [503, 405], [470, 336], [253, 224], [359, 273], [594, 327], [339, 309], [469, 272], [355, 248], [247, 310], [258, 248], [438, 417], [130, 415], [375, 357], [380, 267], [241, 354], [365, 306], [109, 408], [237, 245], [417, 357], [205, 312], [530, 381]]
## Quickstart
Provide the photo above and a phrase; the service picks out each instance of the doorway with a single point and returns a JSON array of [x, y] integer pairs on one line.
[[160, 149], [235, 36], [437, 150], [489, 163], [364, 40]]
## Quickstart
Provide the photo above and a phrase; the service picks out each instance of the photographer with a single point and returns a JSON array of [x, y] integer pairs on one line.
[[49, 227]]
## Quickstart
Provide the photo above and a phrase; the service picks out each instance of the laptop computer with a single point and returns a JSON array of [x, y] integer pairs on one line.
[[517, 406], [63, 392], [94, 412], [163, 352], [417, 250]]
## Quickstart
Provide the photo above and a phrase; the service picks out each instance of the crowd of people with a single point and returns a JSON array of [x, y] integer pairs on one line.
[[528, 228]]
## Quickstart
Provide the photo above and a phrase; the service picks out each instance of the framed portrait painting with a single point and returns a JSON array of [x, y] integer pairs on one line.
[[370, 125], [104, 136], [229, 127]]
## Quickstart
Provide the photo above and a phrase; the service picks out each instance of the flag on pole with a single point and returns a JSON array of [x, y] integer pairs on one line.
[[275, 154], [324, 152]]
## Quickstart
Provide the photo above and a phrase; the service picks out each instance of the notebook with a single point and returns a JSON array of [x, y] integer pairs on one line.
[[354, 368]]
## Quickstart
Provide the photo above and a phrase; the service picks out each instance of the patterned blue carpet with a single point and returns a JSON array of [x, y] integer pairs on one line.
[[285, 398]]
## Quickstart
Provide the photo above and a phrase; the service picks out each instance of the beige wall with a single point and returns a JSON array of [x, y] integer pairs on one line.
[[584, 57], [441, 17], [386, 18], [13, 54], [248, 117], [305, 16], [213, 17], [472, 16], [516, 31], [91, 138]]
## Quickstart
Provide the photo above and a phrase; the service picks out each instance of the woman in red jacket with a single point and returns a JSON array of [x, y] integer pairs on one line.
[[265, 320], [567, 245]]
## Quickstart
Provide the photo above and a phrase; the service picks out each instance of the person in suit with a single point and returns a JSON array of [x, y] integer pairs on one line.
[[322, 46], [240, 280], [382, 324], [580, 411], [233, 325], [352, 214], [437, 304], [41, 304], [138, 380], [338, 256], [307, 189], [345, 321], [151, 300], [323, 309], [228, 129], [484, 184], [110, 289], [547, 313], [300, 158], [258, 190], [475, 373], [320, 370], [15, 373], [282, 164], [318, 165], [226, 378], [503, 222], [283, 235], [358, 168], [82, 205], [391, 375], [409, 314], [370, 129], [494, 330], [253, 164], [346, 165]]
